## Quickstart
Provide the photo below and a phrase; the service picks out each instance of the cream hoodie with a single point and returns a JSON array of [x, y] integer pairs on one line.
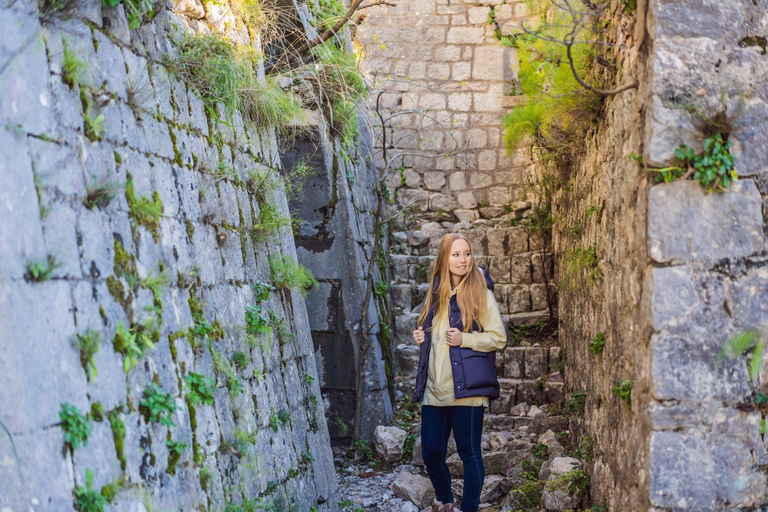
[[440, 376]]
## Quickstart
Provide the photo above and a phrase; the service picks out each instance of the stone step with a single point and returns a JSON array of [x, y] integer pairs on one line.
[[538, 425], [532, 392], [528, 362]]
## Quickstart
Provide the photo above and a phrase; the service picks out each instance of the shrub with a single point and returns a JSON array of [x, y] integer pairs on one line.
[[133, 343], [100, 194], [87, 343], [136, 10], [73, 69], [256, 320], [580, 269], [87, 499], [76, 426], [118, 434], [157, 405], [575, 403], [624, 391], [39, 271], [199, 388], [261, 291], [175, 449], [239, 359], [269, 221], [559, 111], [341, 88], [714, 167], [224, 74], [286, 274], [327, 12], [597, 344]]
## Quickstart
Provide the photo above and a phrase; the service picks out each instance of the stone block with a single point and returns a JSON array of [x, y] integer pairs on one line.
[[518, 299], [690, 367], [447, 53], [492, 59], [553, 392], [465, 35], [520, 269], [41, 474], [414, 198], [514, 362], [461, 71], [414, 488], [407, 359], [707, 226], [25, 74], [442, 202], [701, 469], [539, 296], [528, 392], [460, 101], [535, 362], [41, 315]]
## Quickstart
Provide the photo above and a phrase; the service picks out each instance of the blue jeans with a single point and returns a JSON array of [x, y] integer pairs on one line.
[[467, 425]]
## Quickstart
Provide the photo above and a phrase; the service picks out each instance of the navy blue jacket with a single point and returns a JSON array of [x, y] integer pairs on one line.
[[474, 373]]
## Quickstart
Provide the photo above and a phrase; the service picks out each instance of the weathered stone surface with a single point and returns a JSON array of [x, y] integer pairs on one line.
[[696, 470], [707, 226], [407, 359], [555, 497], [414, 488], [388, 442]]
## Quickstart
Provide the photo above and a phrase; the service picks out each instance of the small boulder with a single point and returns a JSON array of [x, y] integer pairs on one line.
[[534, 411], [520, 409], [517, 451], [498, 440], [388, 442], [555, 495], [554, 448], [414, 488], [493, 489], [417, 460]]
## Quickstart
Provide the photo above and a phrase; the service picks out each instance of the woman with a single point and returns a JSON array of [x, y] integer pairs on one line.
[[459, 331]]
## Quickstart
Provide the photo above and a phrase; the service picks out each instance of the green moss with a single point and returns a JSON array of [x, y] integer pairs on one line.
[[144, 211], [97, 412], [176, 153], [118, 434], [118, 292], [190, 226], [125, 264], [118, 159]]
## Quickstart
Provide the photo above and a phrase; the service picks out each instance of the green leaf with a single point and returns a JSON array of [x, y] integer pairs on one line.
[[757, 356]]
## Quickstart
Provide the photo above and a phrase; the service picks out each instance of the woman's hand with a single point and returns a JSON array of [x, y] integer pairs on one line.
[[453, 337], [418, 335]]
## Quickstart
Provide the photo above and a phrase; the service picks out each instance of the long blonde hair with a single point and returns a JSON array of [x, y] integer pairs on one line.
[[470, 295]]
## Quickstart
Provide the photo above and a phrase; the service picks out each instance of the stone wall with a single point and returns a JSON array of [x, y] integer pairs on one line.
[[441, 61], [335, 241], [682, 269], [263, 435]]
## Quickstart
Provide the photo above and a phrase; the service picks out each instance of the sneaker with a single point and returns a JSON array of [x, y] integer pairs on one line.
[[444, 507]]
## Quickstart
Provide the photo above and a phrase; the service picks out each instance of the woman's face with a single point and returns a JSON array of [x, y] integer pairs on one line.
[[460, 260]]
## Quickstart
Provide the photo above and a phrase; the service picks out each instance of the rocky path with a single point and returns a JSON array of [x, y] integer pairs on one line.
[[526, 448]]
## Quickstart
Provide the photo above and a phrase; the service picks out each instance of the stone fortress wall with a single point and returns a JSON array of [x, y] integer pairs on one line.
[[683, 269]]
